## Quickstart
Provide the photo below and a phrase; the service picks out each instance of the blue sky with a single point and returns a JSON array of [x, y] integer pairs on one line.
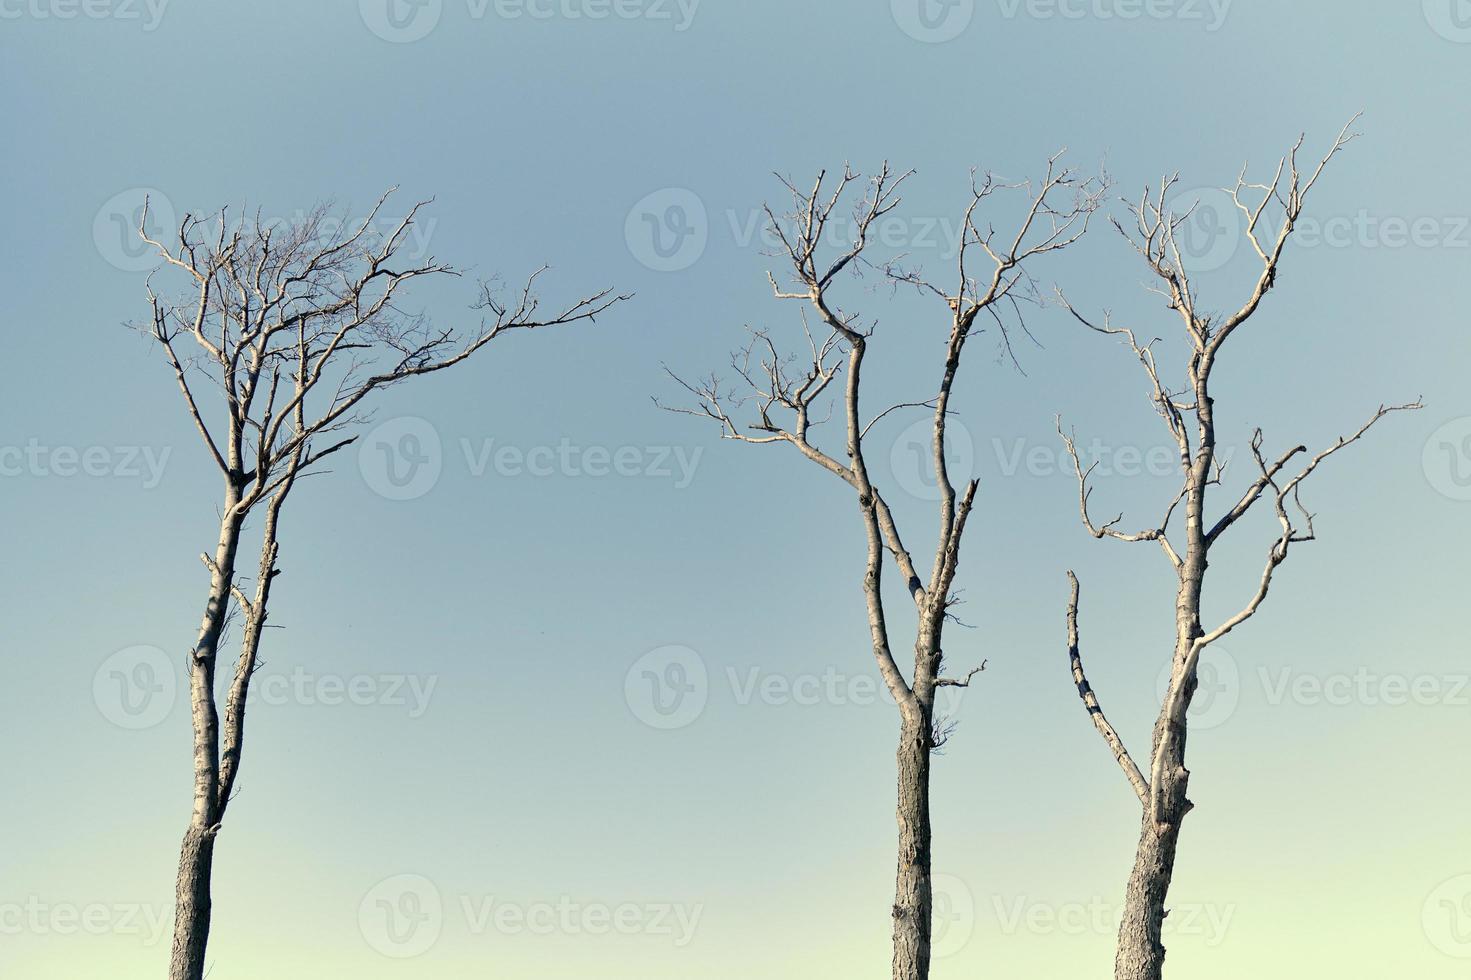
[[453, 715]]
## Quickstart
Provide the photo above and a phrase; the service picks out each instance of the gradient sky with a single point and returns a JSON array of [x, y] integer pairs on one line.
[[456, 712]]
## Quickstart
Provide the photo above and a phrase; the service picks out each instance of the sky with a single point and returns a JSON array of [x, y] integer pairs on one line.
[[565, 686]]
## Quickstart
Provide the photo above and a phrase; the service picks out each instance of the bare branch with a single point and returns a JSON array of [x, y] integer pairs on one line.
[[1108, 529], [1291, 533], [1292, 204], [963, 681], [1090, 701]]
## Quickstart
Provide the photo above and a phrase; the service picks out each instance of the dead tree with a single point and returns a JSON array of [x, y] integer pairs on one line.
[[277, 336], [777, 397], [1189, 415]]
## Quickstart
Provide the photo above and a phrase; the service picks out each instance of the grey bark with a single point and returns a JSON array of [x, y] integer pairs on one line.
[[913, 896], [1141, 953], [192, 913]]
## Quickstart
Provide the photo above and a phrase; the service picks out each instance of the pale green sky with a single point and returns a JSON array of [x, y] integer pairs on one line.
[[457, 713]]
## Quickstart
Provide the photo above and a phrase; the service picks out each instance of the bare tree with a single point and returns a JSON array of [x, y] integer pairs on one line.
[[278, 336], [777, 394], [1189, 415]]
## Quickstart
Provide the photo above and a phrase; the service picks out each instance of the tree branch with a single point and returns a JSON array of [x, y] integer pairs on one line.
[[1090, 701]]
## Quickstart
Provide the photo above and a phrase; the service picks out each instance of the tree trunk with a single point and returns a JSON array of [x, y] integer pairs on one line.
[[912, 896], [196, 854], [1141, 951], [191, 914]]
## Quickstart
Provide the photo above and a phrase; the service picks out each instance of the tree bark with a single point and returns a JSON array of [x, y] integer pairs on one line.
[[912, 894], [192, 913], [1141, 951]]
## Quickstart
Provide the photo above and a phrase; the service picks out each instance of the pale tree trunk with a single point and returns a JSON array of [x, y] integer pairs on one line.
[[913, 891], [1141, 951], [196, 854], [192, 914], [913, 905]]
